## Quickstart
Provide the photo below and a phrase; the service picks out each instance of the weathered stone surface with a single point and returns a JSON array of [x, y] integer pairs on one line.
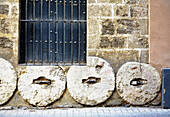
[[110, 1], [128, 22], [8, 80], [9, 25], [4, 9], [118, 42], [92, 52], [122, 11], [43, 85], [91, 1], [138, 83], [6, 53], [10, 1], [143, 27], [138, 11], [92, 84], [104, 42], [93, 41], [14, 11], [114, 100], [5, 42], [129, 26], [144, 57], [136, 1], [93, 26], [157, 100], [99, 10], [117, 58], [108, 27], [121, 30], [113, 42], [138, 42]]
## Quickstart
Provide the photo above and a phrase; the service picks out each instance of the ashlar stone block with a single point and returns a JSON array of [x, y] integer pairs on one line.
[[138, 11], [144, 57], [99, 10], [6, 43], [108, 27], [4, 9], [91, 1], [104, 42], [118, 42], [141, 2], [113, 42], [9, 25], [117, 58], [93, 26], [110, 1], [93, 41], [122, 11], [15, 11], [138, 42], [132, 26]]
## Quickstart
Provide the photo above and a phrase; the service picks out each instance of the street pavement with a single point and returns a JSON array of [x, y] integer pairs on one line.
[[89, 112]]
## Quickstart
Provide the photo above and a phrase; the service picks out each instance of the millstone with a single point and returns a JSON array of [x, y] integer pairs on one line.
[[91, 84], [42, 85], [138, 83], [8, 81]]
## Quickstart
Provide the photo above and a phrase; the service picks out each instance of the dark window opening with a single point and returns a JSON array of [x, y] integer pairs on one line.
[[52, 32]]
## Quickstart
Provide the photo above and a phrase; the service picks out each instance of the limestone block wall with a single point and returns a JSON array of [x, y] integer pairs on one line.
[[117, 32], [9, 14]]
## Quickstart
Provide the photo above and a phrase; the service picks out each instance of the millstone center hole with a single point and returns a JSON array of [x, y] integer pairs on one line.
[[91, 80], [138, 82], [42, 81]]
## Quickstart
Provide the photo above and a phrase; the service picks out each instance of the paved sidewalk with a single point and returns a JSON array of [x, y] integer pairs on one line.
[[89, 112]]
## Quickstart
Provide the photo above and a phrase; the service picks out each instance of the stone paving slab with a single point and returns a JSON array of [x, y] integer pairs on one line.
[[89, 112]]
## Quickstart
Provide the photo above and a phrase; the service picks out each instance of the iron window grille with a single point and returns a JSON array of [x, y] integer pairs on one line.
[[52, 32]]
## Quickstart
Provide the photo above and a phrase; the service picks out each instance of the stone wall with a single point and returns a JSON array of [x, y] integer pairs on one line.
[[117, 32], [9, 13]]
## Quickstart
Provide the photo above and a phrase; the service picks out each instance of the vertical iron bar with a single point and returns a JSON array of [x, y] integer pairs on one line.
[[38, 28], [26, 59], [41, 32], [85, 51], [49, 34], [56, 52], [79, 35], [72, 44], [64, 34], [34, 50]]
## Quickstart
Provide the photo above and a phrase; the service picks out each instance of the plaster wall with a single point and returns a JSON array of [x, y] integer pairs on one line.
[[160, 33]]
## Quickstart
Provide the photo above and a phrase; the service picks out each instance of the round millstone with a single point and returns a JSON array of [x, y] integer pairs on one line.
[[138, 83], [8, 81], [91, 84], [42, 85]]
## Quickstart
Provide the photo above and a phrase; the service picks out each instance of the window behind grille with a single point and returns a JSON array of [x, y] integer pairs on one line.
[[52, 32]]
